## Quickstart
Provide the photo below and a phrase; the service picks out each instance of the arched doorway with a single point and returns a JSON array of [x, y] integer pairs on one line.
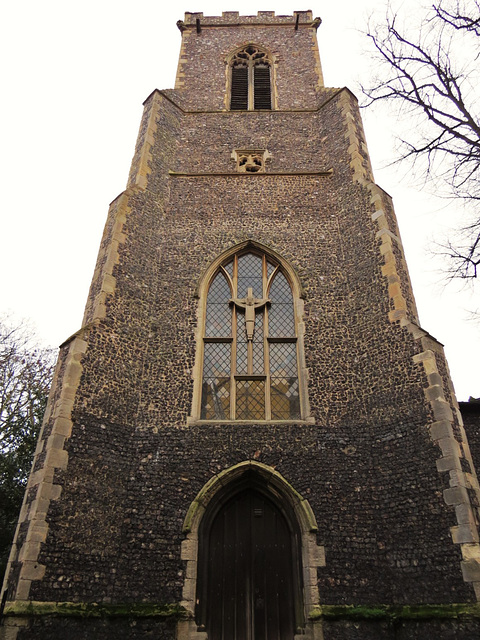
[[249, 582]]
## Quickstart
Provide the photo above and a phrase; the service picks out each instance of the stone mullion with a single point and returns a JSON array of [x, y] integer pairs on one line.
[[233, 385], [251, 95], [233, 367], [250, 357], [266, 351], [266, 355]]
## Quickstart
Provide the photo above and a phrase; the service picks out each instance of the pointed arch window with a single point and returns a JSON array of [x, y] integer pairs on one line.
[[250, 80], [250, 361]]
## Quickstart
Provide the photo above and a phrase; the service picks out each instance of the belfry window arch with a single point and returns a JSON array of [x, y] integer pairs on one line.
[[250, 79], [250, 352]]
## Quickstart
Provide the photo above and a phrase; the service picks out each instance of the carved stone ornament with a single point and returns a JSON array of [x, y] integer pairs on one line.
[[251, 160]]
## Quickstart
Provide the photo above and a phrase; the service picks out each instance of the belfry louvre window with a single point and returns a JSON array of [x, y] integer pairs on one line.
[[250, 81], [250, 367]]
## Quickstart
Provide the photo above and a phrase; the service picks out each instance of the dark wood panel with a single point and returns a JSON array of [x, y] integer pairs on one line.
[[250, 594], [239, 99], [262, 91]]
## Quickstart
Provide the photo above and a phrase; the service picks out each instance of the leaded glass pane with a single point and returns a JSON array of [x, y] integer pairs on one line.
[[258, 326], [242, 357], [217, 359], [250, 400], [219, 313], [283, 359], [250, 265], [281, 322], [250, 275], [257, 358], [218, 322], [258, 366], [215, 399], [280, 291], [285, 399], [258, 344], [219, 291], [241, 343], [229, 268]]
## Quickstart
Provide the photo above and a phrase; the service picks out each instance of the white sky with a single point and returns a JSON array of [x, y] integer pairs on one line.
[[74, 78]]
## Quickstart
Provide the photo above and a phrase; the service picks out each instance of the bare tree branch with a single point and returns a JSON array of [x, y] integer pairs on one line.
[[433, 75], [458, 20], [464, 262]]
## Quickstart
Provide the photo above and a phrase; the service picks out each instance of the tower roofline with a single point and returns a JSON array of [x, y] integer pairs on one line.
[[232, 18]]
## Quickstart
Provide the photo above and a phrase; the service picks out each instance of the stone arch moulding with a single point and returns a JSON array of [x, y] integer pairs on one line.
[[248, 43], [220, 487], [292, 275], [250, 246], [268, 58]]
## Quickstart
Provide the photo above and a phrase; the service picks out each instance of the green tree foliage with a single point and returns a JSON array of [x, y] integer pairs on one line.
[[25, 376], [429, 70]]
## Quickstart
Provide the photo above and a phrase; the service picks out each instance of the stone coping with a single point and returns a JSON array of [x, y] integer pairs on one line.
[[233, 18]]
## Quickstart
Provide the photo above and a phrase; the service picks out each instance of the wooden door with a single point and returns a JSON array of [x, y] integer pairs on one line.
[[250, 592]]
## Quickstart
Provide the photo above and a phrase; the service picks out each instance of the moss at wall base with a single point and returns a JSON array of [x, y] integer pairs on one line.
[[89, 610], [177, 612], [393, 612]]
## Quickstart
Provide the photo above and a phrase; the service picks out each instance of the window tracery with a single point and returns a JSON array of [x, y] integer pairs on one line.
[[250, 364], [250, 80]]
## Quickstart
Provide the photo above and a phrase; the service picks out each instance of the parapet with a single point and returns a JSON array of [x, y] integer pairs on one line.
[[233, 18]]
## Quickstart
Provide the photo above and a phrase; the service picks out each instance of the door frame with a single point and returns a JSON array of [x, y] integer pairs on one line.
[[299, 516], [250, 481]]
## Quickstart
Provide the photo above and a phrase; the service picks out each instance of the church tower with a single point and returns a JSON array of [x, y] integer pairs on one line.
[[250, 437]]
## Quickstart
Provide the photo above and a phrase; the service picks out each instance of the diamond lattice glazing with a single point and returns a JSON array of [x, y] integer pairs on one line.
[[250, 400], [283, 359], [215, 399], [219, 314], [281, 321], [216, 360], [250, 275], [285, 400]]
